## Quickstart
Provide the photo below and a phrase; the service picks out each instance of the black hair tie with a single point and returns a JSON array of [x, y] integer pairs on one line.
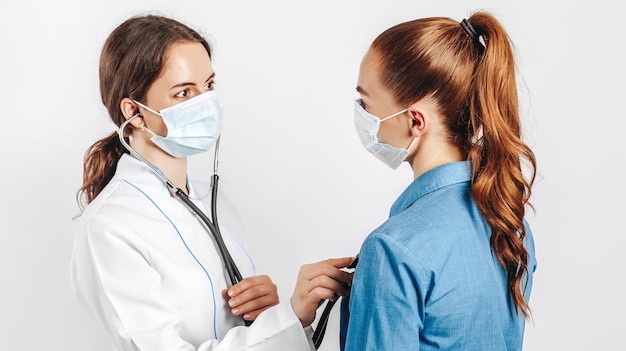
[[469, 29]]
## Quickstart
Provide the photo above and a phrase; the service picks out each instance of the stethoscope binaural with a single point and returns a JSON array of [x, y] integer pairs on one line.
[[211, 225]]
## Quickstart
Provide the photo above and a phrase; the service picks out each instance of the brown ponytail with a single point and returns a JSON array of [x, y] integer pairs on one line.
[[100, 163], [132, 59], [475, 89]]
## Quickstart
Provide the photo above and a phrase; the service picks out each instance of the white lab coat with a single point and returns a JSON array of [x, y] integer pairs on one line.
[[151, 274]]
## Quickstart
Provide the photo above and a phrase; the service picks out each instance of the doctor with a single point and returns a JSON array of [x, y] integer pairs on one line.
[[143, 263]]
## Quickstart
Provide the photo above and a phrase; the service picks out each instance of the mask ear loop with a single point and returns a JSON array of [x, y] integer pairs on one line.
[[142, 126], [397, 114], [412, 143], [146, 107], [394, 115]]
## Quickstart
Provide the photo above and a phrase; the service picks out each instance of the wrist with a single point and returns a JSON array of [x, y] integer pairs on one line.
[[304, 321]]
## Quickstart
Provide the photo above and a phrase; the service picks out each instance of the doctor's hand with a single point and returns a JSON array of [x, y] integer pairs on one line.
[[251, 296], [317, 282]]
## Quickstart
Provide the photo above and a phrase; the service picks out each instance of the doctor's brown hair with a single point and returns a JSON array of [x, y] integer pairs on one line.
[[131, 60], [474, 86]]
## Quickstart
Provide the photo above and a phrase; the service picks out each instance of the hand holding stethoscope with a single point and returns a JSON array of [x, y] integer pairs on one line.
[[320, 330]]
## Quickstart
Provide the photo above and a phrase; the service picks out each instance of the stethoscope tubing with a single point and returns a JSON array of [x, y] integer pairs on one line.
[[229, 264]]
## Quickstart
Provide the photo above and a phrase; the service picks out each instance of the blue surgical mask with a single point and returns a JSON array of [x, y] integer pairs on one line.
[[367, 126], [193, 125]]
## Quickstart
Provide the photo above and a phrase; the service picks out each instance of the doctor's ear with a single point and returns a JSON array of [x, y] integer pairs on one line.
[[130, 109]]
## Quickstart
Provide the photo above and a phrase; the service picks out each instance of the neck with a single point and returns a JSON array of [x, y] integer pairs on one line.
[[174, 169], [429, 156]]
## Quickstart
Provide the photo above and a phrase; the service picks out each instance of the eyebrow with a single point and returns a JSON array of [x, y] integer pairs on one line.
[[361, 91], [185, 84]]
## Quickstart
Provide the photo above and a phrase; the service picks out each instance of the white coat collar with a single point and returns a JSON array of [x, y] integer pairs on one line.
[[134, 170]]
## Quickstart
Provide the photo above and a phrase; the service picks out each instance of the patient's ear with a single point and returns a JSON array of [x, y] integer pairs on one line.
[[419, 120]]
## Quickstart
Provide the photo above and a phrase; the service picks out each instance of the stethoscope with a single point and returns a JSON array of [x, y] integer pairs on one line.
[[211, 225]]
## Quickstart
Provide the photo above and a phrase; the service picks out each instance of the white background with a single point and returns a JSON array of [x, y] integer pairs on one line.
[[290, 160]]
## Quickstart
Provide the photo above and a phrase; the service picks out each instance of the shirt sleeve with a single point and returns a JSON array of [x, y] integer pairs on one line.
[[308, 331], [386, 301], [112, 276], [275, 329]]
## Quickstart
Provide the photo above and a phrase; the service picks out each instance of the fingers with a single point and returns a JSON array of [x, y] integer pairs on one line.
[[252, 310], [249, 283], [252, 296], [327, 274], [340, 262], [324, 280]]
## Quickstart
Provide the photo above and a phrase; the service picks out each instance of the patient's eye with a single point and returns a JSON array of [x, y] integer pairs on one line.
[[362, 103]]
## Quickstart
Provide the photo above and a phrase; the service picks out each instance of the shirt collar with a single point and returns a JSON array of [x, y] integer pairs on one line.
[[134, 170], [436, 178]]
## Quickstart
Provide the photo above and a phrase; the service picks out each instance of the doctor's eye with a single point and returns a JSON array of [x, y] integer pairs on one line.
[[210, 85], [362, 103], [182, 94]]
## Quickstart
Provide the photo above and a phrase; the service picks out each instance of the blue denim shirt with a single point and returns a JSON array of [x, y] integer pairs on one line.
[[427, 278]]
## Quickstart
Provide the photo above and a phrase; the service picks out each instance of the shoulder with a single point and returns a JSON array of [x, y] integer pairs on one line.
[[433, 219], [117, 195], [431, 230], [117, 213]]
